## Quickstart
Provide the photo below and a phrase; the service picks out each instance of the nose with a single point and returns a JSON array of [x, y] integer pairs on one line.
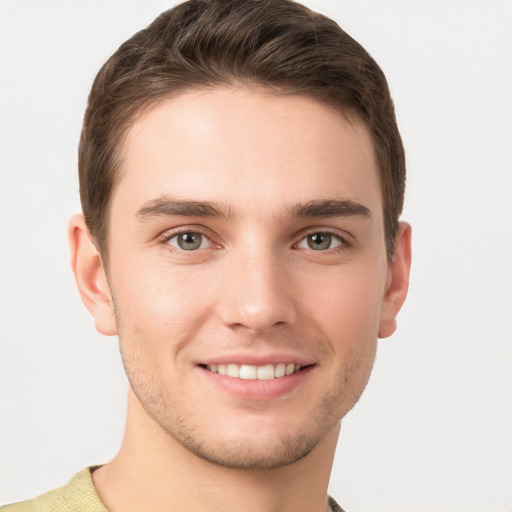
[[257, 291]]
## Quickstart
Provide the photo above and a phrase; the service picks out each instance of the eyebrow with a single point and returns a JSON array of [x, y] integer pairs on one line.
[[166, 206], [330, 208]]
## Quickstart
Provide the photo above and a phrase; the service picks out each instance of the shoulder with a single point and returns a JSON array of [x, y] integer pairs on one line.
[[78, 495], [334, 507]]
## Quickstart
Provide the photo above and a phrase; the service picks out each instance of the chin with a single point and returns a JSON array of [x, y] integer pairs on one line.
[[257, 441], [267, 452]]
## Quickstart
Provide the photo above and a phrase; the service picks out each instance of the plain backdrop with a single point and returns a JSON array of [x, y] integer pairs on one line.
[[433, 430]]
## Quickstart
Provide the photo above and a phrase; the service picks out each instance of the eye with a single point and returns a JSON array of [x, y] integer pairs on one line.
[[189, 241], [320, 242]]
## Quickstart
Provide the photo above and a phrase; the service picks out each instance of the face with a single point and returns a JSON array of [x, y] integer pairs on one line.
[[248, 271]]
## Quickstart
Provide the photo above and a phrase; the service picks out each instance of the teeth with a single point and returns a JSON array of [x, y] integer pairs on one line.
[[266, 372], [233, 370], [250, 372], [280, 370]]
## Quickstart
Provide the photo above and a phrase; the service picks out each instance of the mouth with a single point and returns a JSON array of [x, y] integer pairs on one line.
[[262, 382], [252, 372]]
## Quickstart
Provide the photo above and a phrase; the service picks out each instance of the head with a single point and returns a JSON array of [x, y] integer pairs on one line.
[[241, 177], [277, 45]]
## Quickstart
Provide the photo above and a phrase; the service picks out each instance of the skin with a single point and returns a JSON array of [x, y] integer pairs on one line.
[[257, 289]]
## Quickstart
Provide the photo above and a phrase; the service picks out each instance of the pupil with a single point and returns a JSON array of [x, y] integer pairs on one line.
[[319, 241]]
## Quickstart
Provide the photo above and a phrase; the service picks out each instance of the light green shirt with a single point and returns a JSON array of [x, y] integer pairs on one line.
[[79, 495]]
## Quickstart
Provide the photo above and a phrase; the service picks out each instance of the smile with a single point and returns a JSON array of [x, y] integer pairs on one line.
[[250, 372]]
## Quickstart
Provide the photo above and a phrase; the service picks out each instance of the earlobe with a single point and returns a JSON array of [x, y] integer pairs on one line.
[[398, 281], [90, 276]]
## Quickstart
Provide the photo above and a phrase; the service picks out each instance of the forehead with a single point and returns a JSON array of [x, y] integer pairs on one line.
[[246, 148]]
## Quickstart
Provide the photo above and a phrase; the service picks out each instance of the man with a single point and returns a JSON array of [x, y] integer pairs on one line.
[[241, 176]]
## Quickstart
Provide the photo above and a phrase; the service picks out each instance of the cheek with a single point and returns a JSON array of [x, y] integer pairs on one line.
[[161, 307], [345, 303]]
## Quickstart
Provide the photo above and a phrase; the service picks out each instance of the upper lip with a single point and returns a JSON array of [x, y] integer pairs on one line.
[[259, 359]]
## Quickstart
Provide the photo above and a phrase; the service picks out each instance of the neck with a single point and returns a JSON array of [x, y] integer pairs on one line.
[[152, 471]]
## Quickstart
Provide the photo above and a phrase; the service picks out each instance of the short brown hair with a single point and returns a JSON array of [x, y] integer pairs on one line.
[[277, 44]]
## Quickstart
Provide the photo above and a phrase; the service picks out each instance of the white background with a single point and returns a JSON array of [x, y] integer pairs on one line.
[[433, 431]]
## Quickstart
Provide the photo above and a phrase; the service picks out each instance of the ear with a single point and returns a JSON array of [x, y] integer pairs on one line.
[[398, 281], [90, 276]]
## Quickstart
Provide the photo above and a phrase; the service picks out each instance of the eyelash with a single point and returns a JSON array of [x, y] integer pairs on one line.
[[167, 237], [343, 244]]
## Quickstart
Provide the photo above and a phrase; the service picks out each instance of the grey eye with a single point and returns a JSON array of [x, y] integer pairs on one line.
[[319, 241], [188, 241]]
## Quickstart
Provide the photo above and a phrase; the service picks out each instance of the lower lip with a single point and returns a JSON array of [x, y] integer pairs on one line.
[[249, 389]]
